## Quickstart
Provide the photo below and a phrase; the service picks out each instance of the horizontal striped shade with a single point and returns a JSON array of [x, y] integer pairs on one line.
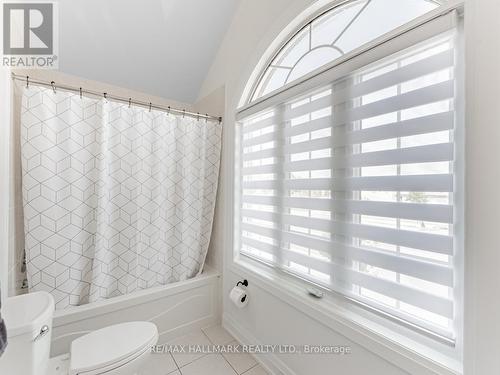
[[351, 186]]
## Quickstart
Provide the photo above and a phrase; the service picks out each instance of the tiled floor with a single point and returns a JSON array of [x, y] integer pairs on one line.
[[200, 363]]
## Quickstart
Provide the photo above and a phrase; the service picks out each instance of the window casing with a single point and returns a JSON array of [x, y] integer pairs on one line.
[[352, 185]]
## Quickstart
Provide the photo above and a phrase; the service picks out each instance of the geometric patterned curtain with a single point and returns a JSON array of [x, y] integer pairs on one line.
[[116, 198]]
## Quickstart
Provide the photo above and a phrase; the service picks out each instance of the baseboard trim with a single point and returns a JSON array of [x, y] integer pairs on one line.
[[270, 361]]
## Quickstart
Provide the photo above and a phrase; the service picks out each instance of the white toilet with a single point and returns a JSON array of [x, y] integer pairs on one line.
[[119, 349]]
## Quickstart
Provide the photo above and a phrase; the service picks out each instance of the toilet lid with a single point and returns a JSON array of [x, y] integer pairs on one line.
[[110, 345]]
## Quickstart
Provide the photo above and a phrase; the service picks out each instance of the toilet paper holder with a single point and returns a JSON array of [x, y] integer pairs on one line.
[[244, 283], [239, 294]]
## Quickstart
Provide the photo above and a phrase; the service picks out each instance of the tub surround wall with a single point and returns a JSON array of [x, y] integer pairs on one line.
[[99, 86], [214, 103]]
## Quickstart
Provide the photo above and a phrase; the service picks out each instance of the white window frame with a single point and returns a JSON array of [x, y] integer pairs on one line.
[[434, 354]]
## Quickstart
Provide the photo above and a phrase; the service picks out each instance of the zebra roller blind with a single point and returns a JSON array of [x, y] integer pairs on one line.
[[352, 185]]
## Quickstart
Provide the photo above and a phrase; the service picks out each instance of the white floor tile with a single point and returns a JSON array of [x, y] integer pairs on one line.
[[195, 338], [159, 364], [218, 335], [240, 362], [257, 370], [211, 364]]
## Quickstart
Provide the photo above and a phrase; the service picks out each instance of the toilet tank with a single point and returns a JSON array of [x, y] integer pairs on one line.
[[28, 319]]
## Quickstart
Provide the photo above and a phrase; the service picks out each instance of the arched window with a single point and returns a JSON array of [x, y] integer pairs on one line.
[[350, 178], [333, 34]]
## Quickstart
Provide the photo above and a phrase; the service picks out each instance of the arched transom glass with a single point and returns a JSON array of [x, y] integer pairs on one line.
[[335, 33]]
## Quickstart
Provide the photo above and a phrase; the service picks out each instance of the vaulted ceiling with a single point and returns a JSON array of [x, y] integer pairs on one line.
[[161, 47]]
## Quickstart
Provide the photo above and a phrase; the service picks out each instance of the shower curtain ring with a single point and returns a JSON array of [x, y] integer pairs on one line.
[[168, 110], [149, 106], [129, 102], [105, 96], [197, 116], [206, 117], [81, 95], [183, 113], [53, 84], [27, 82]]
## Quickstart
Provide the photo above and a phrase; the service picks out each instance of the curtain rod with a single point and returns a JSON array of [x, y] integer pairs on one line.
[[129, 101]]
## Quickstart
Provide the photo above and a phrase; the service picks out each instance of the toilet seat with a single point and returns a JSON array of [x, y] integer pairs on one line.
[[111, 347]]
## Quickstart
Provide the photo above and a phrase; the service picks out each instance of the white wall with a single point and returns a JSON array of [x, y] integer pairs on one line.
[[482, 255], [162, 47], [269, 320], [255, 25], [5, 207], [252, 30]]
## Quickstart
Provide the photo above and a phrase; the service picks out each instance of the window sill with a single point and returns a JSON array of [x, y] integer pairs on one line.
[[400, 346]]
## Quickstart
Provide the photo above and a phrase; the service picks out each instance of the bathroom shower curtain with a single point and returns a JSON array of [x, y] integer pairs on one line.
[[117, 198]]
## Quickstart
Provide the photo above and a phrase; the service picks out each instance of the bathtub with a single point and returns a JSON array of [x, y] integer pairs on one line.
[[176, 309]]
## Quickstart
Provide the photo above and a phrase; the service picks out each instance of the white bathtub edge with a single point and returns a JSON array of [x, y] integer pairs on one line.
[[91, 310], [176, 309]]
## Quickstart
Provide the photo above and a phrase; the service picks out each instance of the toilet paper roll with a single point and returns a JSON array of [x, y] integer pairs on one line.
[[239, 296]]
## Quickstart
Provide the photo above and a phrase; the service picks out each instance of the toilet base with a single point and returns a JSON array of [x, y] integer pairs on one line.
[[58, 365]]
